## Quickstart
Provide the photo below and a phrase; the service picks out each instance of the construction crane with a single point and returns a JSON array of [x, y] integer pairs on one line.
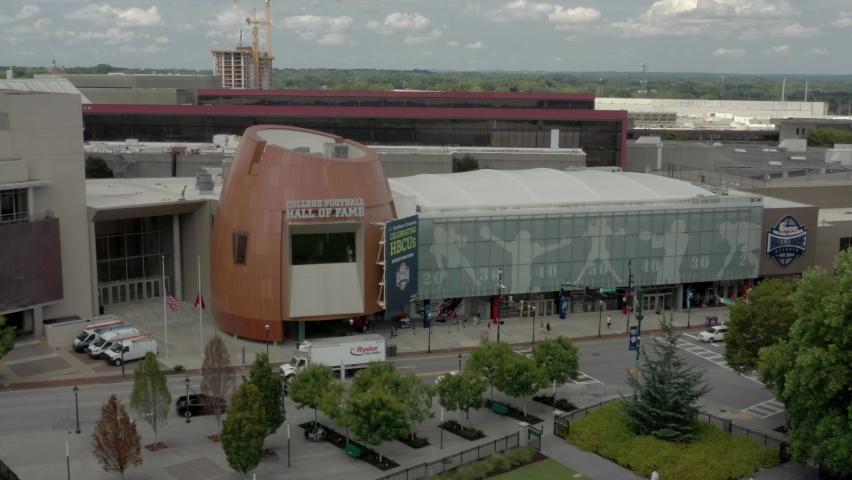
[[256, 20]]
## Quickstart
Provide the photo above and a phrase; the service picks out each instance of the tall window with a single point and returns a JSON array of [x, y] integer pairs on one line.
[[845, 243], [240, 243], [315, 248], [13, 206], [132, 249]]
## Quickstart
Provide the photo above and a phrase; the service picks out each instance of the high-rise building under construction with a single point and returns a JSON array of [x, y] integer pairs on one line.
[[236, 68]]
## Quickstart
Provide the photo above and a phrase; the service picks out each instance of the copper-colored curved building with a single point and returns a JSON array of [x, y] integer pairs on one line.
[[292, 238]]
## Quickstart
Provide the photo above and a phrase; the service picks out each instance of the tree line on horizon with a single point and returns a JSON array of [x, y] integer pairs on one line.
[[834, 89]]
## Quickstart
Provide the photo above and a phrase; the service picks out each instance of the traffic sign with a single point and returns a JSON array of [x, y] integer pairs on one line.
[[608, 290]]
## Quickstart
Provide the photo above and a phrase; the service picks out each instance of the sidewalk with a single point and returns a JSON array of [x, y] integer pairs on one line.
[[32, 364]]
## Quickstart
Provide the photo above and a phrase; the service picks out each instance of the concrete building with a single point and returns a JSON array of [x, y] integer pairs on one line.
[[715, 108], [138, 89], [235, 68], [799, 127], [44, 230]]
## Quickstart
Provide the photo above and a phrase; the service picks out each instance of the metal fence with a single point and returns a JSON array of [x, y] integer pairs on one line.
[[562, 426], [454, 461], [6, 473], [710, 177]]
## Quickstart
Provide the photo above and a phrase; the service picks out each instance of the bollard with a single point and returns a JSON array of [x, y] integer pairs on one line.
[[244, 355]]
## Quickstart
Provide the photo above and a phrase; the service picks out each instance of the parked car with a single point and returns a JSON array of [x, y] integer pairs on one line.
[[713, 334], [133, 348], [199, 404]]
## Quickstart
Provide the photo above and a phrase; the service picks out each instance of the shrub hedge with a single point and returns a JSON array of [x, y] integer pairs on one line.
[[715, 455], [479, 469]]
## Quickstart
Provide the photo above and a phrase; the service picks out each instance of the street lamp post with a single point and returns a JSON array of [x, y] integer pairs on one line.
[[688, 309], [121, 343], [267, 342], [600, 315], [77, 407], [351, 323], [186, 412], [460, 359], [499, 287], [429, 348], [533, 323], [288, 445]]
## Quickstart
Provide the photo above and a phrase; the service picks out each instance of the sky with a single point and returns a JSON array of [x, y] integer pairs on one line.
[[716, 36]]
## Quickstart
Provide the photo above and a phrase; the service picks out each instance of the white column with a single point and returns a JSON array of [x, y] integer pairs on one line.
[[38, 322], [31, 203], [177, 288], [93, 268], [554, 138]]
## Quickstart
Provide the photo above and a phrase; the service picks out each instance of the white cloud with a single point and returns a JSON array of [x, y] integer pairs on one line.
[[332, 39], [751, 34], [42, 24], [476, 46], [232, 18], [845, 20], [724, 52], [398, 21], [28, 11], [149, 50], [315, 23], [473, 8], [528, 10], [571, 38], [707, 18], [781, 50], [213, 33], [161, 40], [107, 15], [452, 43], [428, 37], [793, 31], [818, 51]]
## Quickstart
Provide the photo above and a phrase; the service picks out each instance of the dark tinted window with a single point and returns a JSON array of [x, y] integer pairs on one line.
[[240, 244], [315, 248]]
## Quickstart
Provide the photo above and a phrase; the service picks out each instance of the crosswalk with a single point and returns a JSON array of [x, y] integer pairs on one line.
[[584, 379], [710, 356], [765, 409]]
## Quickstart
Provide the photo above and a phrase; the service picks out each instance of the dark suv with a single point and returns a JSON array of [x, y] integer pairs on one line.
[[199, 404]]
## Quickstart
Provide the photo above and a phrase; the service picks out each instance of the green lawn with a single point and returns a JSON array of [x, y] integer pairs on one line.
[[544, 470]]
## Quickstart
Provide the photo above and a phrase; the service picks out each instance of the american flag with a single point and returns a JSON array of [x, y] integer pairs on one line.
[[172, 301]]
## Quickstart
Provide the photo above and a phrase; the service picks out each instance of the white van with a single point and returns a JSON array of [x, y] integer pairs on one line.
[[103, 341], [134, 348], [88, 335]]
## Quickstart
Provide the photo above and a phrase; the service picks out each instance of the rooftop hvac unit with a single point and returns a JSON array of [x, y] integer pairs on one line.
[[774, 163]]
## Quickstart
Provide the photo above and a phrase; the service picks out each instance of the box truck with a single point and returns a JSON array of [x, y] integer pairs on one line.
[[350, 353], [134, 347], [102, 324], [102, 340]]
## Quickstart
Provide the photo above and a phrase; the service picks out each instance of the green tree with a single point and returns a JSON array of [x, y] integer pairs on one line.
[[486, 360], [812, 372], [96, 167], [7, 337], [520, 376], [417, 399], [271, 389], [309, 387], [462, 392], [467, 164], [827, 137], [764, 321], [245, 429], [335, 405], [560, 360], [664, 405], [377, 416], [150, 396]]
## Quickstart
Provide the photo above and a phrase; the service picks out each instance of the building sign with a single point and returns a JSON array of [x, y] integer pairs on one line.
[[325, 208], [401, 257], [786, 241]]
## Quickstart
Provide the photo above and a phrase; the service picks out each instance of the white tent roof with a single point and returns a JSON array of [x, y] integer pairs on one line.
[[540, 187]]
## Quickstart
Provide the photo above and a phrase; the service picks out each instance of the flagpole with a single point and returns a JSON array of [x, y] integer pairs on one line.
[[165, 314], [200, 309]]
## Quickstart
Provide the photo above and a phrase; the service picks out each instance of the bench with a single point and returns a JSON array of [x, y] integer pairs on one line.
[[352, 450], [323, 437], [501, 409]]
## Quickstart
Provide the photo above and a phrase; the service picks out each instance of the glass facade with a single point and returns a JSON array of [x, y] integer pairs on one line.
[[379, 101], [130, 250], [13, 206], [461, 257], [599, 139], [317, 248]]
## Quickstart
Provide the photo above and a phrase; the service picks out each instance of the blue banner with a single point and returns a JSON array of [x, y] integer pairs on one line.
[[401, 262], [563, 307], [426, 319], [634, 337]]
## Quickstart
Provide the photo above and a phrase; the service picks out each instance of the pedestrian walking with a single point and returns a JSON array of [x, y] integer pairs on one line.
[[655, 475], [541, 327], [548, 328], [608, 321], [476, 318], [464, 322], [393, 331]]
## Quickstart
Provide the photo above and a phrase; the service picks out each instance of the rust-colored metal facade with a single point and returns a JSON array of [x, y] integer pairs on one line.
[[262, 178]]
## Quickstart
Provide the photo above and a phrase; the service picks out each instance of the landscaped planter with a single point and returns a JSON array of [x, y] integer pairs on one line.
[[367, 454], [455, 428], [516, 414]]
